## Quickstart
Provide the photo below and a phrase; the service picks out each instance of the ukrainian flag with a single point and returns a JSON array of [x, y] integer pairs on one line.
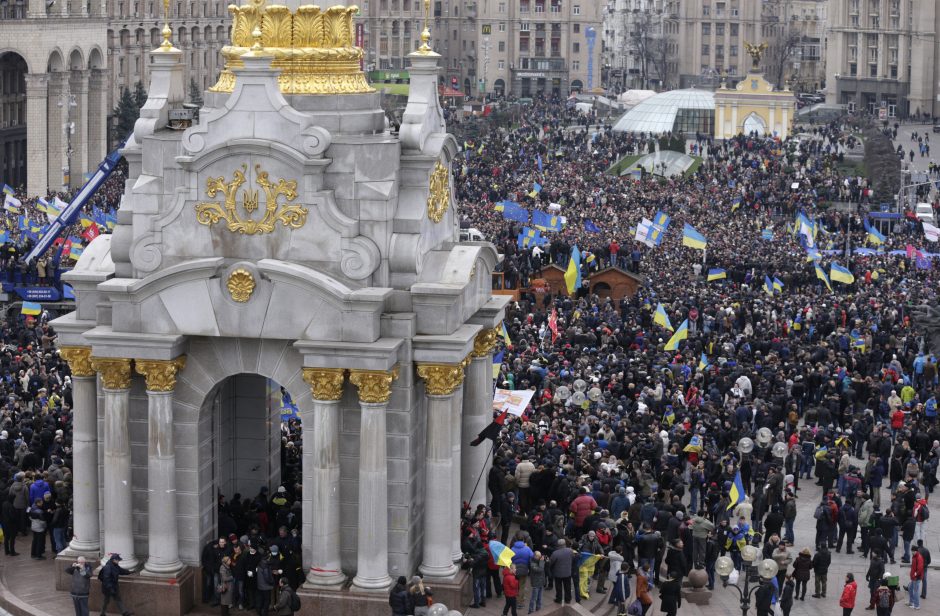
[[497, 362], [661, 318], [588, 560], [874, 236], [778, 284], [840, 274], [681, 334], [8, 190], [857, 341], [737, 491], [822, 276], [573, 273], [716, 273], [662, 220], [31, 308], [692, 238], [703, 362], [505, 334], [768, 285], [669, 417]]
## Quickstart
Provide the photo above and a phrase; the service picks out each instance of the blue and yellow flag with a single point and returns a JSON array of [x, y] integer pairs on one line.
[[590, 227], [703, 362], [505, 334], [31, 308], [692, 238], [716, 273], [778, 284], [767, 234], [8, 190], [681, 334], [840, 274], [768, 285], [662, 220], [497, 362], [573, 273], [737, 491], [661, 318], [822, 276], [874, 235], [669, 417], [588, 560], [857, 341]]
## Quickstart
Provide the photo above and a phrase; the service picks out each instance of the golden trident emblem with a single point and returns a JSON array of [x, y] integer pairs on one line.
[[293, 216]]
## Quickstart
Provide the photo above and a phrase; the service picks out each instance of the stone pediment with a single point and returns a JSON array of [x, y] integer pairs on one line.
[[266, 299]]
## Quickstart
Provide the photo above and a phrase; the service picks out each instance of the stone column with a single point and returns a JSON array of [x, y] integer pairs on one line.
[[163, 536], [456, 427], [118, 529], [37, 85], [55, 156], [97, 117], [441, 383], [375, 388], [321, 497], [477, 414], [87, 537]]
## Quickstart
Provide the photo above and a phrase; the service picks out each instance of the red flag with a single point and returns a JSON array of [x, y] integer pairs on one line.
[[553, 324], [91, 232], [67, 248]]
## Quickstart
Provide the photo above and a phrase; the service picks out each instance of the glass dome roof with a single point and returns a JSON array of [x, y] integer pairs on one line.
[[659, 113]]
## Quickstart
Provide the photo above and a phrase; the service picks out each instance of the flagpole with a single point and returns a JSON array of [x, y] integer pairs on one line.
[[480, 476]]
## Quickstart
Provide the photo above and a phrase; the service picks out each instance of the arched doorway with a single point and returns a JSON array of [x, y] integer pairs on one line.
[[467, 88], [753, 123], [13, 70], [500, 87], [577, 86], [601, 289]]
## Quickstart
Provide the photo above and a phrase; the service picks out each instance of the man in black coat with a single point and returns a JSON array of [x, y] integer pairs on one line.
[[821, 561], [109, 575]]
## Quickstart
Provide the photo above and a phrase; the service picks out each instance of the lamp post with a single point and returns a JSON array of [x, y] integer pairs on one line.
[[754, 572], [68, 101]]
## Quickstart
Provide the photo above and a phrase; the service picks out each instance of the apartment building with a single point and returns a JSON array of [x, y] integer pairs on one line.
[[883, 56]]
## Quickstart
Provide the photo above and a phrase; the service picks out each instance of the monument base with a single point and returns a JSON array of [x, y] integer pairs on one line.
[[151, 596], [456, 594]]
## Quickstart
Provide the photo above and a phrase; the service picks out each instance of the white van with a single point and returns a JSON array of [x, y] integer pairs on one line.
[[924, 212], [471, 235]]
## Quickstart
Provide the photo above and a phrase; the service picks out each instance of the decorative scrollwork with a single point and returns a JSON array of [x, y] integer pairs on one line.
[[160, 374], [441, 379], [79, 360], [325, 383], [438, 192], [375, 386], [293, 216], [115, 371], [484, 343]]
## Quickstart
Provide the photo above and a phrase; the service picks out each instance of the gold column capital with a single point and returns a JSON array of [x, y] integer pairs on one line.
[[485, 342], [441, 379], [160, 373], [79, 360], [375, 386], [115, 371], [325, 383]]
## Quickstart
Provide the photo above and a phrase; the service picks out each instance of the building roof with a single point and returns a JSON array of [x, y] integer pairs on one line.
[[657, 114]]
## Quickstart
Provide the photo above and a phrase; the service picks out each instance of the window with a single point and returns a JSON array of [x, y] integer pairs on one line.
[[706, 49], [706, 29], [576, 65], [524, 6], [502, 46], [576, 9], [894, 72], [524, 26], [502, 7], [501, 65], [872, 70], [502, 26], [733, 50], [539, 6], [706, 10], [524, 43], [719, 51], [720, 29], [734, 30], [576, 47], [576, 28], [853, 69], [556, 6]]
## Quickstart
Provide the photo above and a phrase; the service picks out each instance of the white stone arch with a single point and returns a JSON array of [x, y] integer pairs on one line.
[[56, 63], [17, 52], [96, 59]]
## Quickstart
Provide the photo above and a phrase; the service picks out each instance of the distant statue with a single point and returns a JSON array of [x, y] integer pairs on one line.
[[755, 51], [927, 318]]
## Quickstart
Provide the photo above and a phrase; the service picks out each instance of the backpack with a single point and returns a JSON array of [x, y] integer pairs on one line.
[[820, 512], [294, 602], [884, 598], [923, 513]]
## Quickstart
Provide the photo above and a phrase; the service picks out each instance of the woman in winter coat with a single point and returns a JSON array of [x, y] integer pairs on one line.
[[227, 581], [643, 588], [847, 600], [536, 581], [801, 568], [670, 592]]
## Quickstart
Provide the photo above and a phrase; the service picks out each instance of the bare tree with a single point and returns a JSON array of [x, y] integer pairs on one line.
[[651, 48], [783, 45]]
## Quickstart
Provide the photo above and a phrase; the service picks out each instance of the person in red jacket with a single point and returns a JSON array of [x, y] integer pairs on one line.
[[581, 508], [847, 600], [917, 576], [510, 590]]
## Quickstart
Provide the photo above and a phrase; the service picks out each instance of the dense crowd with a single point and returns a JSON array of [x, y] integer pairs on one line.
[[643, 478]]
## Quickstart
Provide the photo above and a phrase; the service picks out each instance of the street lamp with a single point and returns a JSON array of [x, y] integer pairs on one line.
[[68, 101], [753, 572]]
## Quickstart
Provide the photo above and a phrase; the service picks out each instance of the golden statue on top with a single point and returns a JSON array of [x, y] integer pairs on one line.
[[313, 47], [755, 51]]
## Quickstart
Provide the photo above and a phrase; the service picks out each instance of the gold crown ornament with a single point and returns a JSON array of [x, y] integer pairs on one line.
[[313, 48]]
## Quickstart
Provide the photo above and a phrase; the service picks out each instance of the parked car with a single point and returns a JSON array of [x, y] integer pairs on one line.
[[924, 212]]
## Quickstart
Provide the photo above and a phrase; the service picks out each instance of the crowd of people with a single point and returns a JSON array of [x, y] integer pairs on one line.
[[671, 458]]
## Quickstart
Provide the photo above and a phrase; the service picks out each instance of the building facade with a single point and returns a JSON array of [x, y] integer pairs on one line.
[[494, 47], [884, 55], [63, 66]]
